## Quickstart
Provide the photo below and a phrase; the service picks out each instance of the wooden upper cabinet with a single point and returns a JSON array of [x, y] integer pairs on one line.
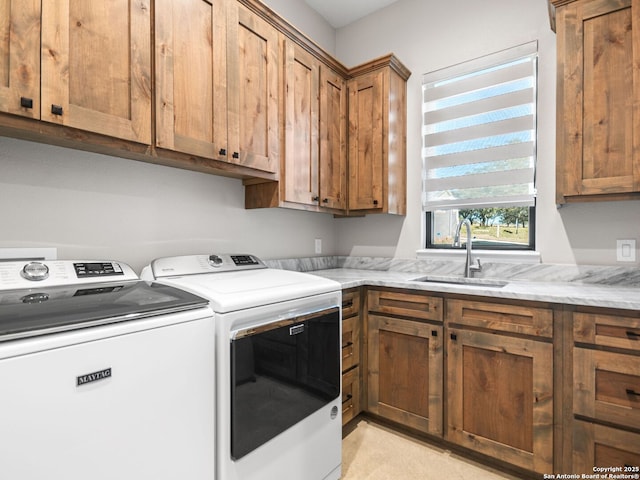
[[188, 57], [598, 124], [365, 141], [314, 158], [251, 87], [333, 140], [96, 67], [20, 57], [377, 137], [302, 126]]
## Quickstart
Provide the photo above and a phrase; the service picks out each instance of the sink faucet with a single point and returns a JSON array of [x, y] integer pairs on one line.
[[469, 269]]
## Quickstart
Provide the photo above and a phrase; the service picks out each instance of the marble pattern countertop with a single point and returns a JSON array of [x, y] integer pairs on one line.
[[597, 286]]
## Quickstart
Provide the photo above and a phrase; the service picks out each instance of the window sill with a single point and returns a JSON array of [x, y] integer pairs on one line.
[[496, 256]]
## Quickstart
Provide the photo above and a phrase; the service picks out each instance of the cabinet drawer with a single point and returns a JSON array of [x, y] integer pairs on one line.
[[608, 330], [350, 394], [507, 318], [600, 446], [416, 305], [607, 386], [350, 303], [350, 342]]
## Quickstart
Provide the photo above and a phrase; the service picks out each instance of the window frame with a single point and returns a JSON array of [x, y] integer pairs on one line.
[[513, 247]]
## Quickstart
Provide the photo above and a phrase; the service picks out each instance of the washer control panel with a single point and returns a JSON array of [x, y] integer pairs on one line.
[[37, 273], [198, 264]]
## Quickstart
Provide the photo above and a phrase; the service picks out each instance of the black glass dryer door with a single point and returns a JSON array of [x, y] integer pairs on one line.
[[280, 374]]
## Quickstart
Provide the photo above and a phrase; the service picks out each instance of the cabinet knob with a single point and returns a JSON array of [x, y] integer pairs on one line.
[[375, 202], [26, 102], [434, 333], [222, 152], [315, 199], [235, 155], [325, 200], [56, 109], [349, 397], [454, 336]]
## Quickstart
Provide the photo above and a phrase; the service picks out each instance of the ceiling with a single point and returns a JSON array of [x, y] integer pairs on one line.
[[342, 12]]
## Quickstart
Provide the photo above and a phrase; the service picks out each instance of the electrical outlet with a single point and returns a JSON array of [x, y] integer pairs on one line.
[[626, 250], [318, 245]]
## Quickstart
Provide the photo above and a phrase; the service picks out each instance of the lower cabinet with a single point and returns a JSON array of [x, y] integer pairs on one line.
[[405, 361], [602, 446], [351, 341], [606, 391], [500, 382]]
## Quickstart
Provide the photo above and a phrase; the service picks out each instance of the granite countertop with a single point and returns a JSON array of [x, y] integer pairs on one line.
[[596, 286], [556, 292]]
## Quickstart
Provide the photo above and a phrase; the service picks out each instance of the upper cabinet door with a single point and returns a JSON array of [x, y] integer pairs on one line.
[[598, 98], [187, 57], [252, 90], [20, 57], [366, 141], [302, 104], [333, 140], [96, 66]]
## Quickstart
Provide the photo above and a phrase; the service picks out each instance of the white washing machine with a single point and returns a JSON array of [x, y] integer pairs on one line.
[[103, 376], [278, 365]]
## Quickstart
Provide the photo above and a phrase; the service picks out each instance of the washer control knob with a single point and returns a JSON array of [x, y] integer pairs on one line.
[[35, 271], [215, 260]]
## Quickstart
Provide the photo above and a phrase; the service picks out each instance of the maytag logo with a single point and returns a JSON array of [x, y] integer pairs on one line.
[[93, 377]]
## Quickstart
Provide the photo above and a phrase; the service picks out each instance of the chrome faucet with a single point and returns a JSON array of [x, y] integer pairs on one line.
[[469, 269]]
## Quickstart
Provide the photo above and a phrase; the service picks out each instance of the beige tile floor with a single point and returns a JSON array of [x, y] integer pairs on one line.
[[373, 452]]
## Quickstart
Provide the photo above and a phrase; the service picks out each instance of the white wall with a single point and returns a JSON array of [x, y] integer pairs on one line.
[[427, 36], [94, 206], [307, 20]]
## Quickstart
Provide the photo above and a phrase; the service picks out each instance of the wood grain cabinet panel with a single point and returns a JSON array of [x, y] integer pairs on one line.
[[405, 372], [189, 55], [500, 397], [96, 67], [416, 305], [351, 355], [251, 87], [302, 126], [333, 140], [603, 446], [523, 320], [20, 57], [598, 137], [606, 389], [377, 137]]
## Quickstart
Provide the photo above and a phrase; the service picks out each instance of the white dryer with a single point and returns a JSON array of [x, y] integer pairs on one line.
[[103, 376], [278, 365]]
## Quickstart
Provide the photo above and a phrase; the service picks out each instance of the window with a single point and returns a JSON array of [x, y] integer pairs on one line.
[[479, 149]]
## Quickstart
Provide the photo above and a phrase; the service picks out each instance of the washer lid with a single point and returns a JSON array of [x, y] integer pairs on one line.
[[231, 291], [39, 311]]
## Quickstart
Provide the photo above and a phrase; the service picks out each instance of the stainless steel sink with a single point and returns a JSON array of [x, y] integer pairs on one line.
[[474, 282]]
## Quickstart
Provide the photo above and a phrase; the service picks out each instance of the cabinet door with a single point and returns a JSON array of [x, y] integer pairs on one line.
[[252, 90], [302, 122], [405, 372], [500, 397], [599, 89], [20, 57], [607, 386], [186, 55], [96, 66], [602, 446], [333, 140], [366, 141]]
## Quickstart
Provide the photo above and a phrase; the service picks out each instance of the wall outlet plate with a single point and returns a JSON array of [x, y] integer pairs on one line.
[[626, 250], [318, 245]]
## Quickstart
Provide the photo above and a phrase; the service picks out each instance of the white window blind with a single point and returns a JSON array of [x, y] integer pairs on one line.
[[479, 132]]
